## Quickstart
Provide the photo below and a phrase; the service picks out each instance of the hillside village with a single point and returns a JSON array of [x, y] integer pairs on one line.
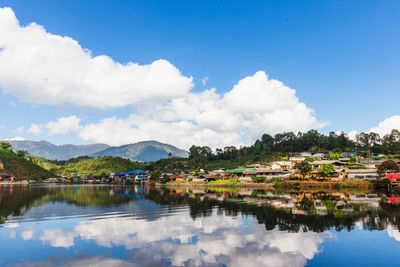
[[305, 166], [309, 156]]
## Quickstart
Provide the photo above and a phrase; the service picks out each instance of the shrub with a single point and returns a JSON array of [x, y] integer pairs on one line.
[[258, 179]]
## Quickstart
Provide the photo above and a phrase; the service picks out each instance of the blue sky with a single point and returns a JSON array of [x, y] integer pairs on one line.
[[341, 57]]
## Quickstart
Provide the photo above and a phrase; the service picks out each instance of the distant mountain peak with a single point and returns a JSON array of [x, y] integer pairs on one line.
[[48, 150], [145, 151], [149, 150]]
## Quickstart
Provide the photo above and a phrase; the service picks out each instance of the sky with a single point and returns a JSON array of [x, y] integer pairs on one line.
[[213, 73]]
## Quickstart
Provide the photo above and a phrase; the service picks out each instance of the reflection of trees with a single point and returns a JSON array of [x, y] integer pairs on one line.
[[284, 219], [85, 196], [15, 200]]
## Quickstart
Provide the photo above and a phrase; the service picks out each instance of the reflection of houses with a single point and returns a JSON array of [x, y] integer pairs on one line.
[[362, 174], [371, 199]]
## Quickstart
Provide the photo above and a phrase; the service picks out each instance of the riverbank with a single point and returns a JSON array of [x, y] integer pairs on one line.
[[14, 183], [296, 184]]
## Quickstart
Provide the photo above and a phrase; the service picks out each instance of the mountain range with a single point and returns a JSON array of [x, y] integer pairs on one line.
[[143, 151]]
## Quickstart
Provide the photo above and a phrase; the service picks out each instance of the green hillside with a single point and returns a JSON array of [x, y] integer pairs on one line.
[[97, 166], [20, 167]]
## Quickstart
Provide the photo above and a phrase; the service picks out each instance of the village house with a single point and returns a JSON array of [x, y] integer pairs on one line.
[[362, 174], [269, 173], [6, 177], [296, 159], [257, 165], [281, 165], [319, 164]]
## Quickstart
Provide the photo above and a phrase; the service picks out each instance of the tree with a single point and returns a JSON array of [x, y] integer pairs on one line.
[[327, 170], [391, 142], [22, 153], [304, 167], [387, 166], [155, 175], [5, 146]]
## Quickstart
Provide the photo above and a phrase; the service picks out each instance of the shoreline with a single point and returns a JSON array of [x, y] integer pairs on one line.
[[288, 185], [14, 183]]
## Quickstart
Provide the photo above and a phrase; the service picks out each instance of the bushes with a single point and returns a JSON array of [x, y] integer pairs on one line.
[[258, 179], [276, 181]]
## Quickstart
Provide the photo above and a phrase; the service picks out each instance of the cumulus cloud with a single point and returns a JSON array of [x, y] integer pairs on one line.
[[352, 135], [64, 125], [387, 125], [384, 127], [35, 129], [254, 106], [45, 68]]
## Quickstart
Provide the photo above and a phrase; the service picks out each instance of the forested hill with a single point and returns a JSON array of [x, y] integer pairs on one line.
[[21, 168], [100, 166], [289, 143]]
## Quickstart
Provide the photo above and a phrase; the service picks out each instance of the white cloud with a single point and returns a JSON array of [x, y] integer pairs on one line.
[[27, 235], [254, 106], [35, 129], [393, 232], [44, 68], [387, 125], [16, 138], [57, 238], [352, 135], [384, 127], [11, 225], [204, 81], [64, 125], [211, 240]]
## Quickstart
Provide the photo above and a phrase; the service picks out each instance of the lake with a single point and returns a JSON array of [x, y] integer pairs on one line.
[[55, 225]]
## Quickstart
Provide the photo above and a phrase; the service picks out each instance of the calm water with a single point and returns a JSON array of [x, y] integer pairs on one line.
[[142, 226]]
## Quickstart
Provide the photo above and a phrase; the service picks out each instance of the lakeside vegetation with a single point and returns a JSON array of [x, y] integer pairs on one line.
[[16, 164]]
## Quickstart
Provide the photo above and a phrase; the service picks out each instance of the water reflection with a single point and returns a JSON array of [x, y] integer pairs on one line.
[[147, 226]]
